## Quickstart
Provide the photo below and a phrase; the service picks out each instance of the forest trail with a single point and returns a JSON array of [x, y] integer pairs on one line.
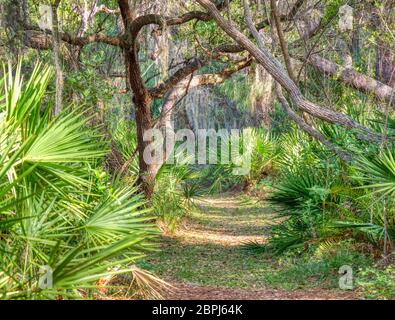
[[205, 258]]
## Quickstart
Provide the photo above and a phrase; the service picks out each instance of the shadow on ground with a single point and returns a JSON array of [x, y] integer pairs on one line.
[[206, 258]]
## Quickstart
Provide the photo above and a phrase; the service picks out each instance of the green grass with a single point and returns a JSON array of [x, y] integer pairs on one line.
[[378, 283], [209, 250], [209, 265], [309, 271]]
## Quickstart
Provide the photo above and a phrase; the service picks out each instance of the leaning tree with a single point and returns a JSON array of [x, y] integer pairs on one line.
[[231, 41]]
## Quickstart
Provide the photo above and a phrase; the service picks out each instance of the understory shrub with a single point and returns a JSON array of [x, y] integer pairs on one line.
[[63, 226]]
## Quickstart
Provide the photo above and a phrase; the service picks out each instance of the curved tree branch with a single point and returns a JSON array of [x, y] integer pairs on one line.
[[189, 68], [353, 78], [344, 155], [42, 40], [273, 66], [182, 87]]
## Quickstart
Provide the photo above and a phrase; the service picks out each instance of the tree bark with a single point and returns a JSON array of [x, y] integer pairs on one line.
[[354, 79], [344, 155], [347, 76], [272, 65], [385, 67], [56, 54], [141, 99], [384, 19]]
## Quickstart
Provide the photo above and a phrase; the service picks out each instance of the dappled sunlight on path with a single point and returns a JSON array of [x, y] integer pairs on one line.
[[205, 258], [228, 220]]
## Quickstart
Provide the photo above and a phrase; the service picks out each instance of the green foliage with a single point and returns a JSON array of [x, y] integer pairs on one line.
[[175, 191], [321, 202], [306, 193], [257, 152], [238, 89], [297, 150], [53, 211], [310, 192], [374, 232], [378, 172], [88, 86], [125, 136], [331, 10], [295, 190], [377, 284], [317, 268]]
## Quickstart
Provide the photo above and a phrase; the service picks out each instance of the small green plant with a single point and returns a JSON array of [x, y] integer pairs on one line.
[[55, 216], [377, 283], [175, 192]]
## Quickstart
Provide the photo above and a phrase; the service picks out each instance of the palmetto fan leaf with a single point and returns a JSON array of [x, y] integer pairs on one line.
[[294, 190], [119, 214], [63, 141], [373, 232], [378, 172], [79, 269], [23, 102], [49, 147], [51, 213]]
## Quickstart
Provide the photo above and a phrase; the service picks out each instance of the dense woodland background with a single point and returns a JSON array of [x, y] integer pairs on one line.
[[312, 80]]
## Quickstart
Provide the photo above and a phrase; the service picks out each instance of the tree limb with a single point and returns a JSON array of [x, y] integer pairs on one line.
[[347, 76], [284, 17], [42, 40], [272, 65], [281, 39], [353, 78], [344, 155], [189, 68]]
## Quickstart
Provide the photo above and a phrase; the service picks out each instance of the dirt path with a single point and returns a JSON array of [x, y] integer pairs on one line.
[[206, 257], [192, 292]]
